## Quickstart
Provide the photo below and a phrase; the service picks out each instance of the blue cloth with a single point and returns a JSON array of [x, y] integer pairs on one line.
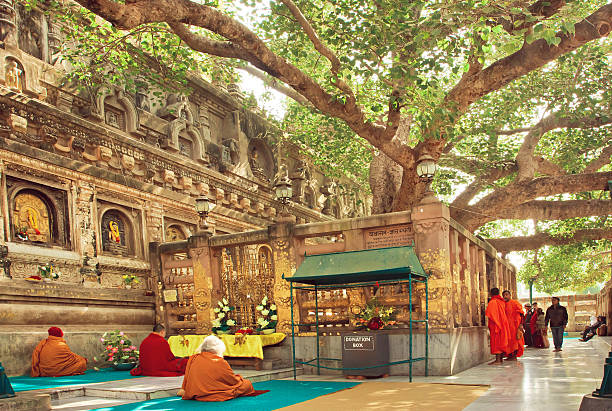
[[282, 394], [26, 383]]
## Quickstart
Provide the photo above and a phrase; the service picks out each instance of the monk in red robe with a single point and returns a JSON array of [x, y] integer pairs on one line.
[[156, 358], [498, 326], [52, 357], [210, 378], [515, 314]]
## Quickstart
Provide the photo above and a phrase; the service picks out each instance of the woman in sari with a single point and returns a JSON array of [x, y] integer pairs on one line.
[[538, 329]]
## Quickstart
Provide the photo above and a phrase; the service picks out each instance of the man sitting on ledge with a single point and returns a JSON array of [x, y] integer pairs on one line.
[[156, 358], [210, 378], [52, 357]]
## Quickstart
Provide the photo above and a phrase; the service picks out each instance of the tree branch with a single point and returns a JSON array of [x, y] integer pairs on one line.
[[530, 57], [556, 210], [312, 35], [536, 241], [276, 85], [599, 162], [514, 194]]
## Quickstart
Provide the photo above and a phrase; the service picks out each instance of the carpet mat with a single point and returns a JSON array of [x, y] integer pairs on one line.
[[282, 393], [396, 396], [25, 383]]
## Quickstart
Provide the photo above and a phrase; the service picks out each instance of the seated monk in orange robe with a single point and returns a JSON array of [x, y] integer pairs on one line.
[[156, 358], [515, 314], [52, 357], [210, 378], [498, 326]]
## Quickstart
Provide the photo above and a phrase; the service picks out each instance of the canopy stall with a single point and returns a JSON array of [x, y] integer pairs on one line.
[[355, 269]]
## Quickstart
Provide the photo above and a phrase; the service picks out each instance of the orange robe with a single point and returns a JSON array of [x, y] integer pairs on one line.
[[514, 312], [52, 358], [498, 325], [210, 378]]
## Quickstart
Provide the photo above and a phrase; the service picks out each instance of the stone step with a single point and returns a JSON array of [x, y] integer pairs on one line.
[[141, 389], [27, 401]]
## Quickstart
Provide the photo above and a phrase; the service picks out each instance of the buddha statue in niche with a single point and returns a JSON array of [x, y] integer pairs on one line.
[[13, 76]]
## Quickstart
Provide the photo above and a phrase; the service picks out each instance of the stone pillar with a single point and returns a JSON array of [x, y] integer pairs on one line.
[[154, 221], [8, 27], [484, 292], [466, 282], [431, 228], [571, 313], [201, 256], [282, 245]]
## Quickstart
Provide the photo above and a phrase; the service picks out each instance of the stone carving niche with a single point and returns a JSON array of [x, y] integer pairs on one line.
[[261, 160], [116, 109], [14, 74], [116, 233]]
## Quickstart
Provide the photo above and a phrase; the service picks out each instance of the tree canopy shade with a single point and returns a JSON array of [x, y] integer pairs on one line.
[[512, 98]]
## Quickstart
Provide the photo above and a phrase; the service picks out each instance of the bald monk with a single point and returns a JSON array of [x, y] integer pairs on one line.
[[156, 358], [52, 357], [210, 378], [515, 314], [498, 326]]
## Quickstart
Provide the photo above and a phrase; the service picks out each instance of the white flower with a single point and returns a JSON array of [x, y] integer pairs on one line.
[[274, 317], [217, 309], [220, 304], [273, 307], [220, 315], [226, 309], [264, 324], [264, 301], [259, 308], [225, 301], [231, 322], [260, 320], [216, 323], [265, 312]]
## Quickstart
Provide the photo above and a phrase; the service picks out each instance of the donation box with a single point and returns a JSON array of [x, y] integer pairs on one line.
[[365, 349]]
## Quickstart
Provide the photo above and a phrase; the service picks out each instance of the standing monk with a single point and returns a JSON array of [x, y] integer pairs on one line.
[[52, 357], [498, 326], [514, 312], [156, 358]]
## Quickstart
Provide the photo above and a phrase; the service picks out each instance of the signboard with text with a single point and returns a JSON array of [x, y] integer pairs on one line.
[[358, 342], [390, 236]]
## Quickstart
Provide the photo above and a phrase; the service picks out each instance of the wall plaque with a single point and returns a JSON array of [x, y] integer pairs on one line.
[[358, 342], [390, 236], [170, 296]]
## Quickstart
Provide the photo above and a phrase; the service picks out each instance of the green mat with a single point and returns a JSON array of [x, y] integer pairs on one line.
[[282, 394], [26, 383]]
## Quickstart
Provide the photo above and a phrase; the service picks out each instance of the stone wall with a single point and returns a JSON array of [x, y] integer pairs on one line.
[[28, 310], [604, 304]]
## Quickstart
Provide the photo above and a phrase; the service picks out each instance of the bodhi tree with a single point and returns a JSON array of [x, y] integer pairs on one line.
[[512, 98]]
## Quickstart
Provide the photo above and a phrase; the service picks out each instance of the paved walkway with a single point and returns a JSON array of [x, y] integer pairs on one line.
[[541, 380]]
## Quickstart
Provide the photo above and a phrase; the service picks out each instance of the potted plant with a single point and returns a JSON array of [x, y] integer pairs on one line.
[[129, 279], [222, 324], [119, 351], [269, 317], [47, 272]]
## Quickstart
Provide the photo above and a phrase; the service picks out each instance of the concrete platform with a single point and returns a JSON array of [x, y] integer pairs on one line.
[[26, 401], [135, 390]]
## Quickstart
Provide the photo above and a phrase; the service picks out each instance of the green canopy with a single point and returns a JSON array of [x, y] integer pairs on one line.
[[394, 263]]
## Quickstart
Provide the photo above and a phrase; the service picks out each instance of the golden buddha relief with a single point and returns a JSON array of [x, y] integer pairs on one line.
[[31, 218]]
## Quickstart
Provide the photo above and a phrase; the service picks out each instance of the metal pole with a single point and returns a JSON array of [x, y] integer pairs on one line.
[[426, 327], [317, 325], [410, 322], [292, 334]]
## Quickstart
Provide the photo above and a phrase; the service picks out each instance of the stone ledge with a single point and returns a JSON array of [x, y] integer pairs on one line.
[[26, 402], [590, 403]]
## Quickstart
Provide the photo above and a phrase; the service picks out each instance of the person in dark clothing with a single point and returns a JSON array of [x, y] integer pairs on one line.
[[590, 332], [556, 315], [526, 325]]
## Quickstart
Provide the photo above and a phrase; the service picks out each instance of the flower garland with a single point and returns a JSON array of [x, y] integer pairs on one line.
[[223, 322], [48, 271], [269, 317], [128, 279], [375, 316], [118, 349]]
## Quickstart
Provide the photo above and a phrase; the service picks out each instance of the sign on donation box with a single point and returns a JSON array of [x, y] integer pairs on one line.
[[367, 352]]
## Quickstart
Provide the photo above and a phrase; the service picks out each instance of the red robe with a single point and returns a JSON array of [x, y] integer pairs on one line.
[[514, 312], [157, 360], [210, 378], [498, 325]]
